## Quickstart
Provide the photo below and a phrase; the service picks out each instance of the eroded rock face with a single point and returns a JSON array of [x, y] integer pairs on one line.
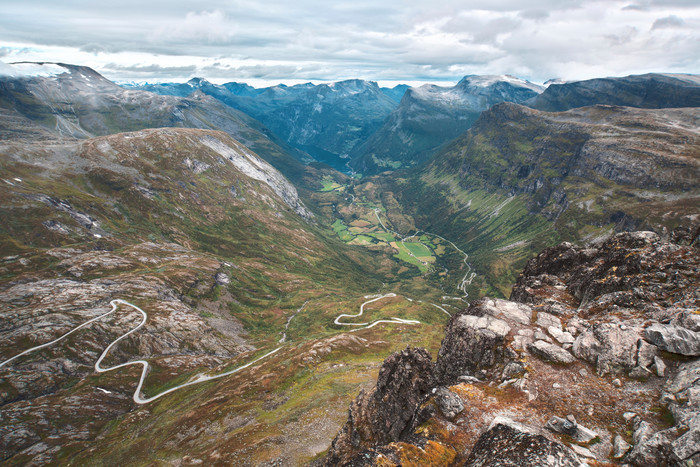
[[473, 342], [629, 270], [507, 444], [384, 414]]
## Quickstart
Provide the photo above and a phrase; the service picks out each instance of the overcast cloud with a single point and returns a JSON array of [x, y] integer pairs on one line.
[[409, 41]]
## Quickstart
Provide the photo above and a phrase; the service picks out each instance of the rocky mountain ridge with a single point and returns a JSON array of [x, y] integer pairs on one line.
[[68, 101], [650, 91], [428, 116], [594, 361]]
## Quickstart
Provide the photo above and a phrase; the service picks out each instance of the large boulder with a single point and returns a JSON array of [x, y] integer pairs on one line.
[[652, 450], [510, 444], [550, 352], [674, 339]]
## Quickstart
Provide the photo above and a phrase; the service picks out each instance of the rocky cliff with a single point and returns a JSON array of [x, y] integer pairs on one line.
[[593, 361]]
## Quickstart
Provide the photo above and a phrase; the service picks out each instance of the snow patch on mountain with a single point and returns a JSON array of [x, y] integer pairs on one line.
[[489, 80]]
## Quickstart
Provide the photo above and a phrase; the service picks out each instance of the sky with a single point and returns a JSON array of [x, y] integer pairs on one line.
[[266, 42]]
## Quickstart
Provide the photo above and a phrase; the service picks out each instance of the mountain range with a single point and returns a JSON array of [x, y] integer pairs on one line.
[[328, 120], [429, 116], [76, 102]]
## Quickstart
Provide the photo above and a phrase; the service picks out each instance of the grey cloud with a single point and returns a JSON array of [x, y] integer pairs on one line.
[[648, 5], [636, 7], [151, 70], [479, 31], [493, 28], [624, 37], [668, 22], [93, 48], [534, 14]]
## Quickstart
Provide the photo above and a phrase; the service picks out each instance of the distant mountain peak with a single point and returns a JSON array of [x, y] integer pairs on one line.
[[491, 80], [429, 116], [198, 82], [549, 82]]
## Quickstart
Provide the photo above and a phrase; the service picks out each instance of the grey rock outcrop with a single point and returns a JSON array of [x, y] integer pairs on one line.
[[448, 402], [609, 346], [679, 445], [510, 311], [674, 339], [620, 447], [650, 449], [472, 342], [685, 389], [605, 296], [688, 319], [562, 425], [569, 427], [518, 445]]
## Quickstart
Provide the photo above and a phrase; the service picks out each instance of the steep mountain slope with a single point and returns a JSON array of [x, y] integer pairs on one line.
[[519, 179], [593, 362], [651, 91], [77, 102], [396, 93], [328, 121], [430, 116]]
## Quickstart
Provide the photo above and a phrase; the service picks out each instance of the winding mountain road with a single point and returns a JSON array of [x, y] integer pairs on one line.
[[144, 364], [49, 344], [373, 298], [139, 398]]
